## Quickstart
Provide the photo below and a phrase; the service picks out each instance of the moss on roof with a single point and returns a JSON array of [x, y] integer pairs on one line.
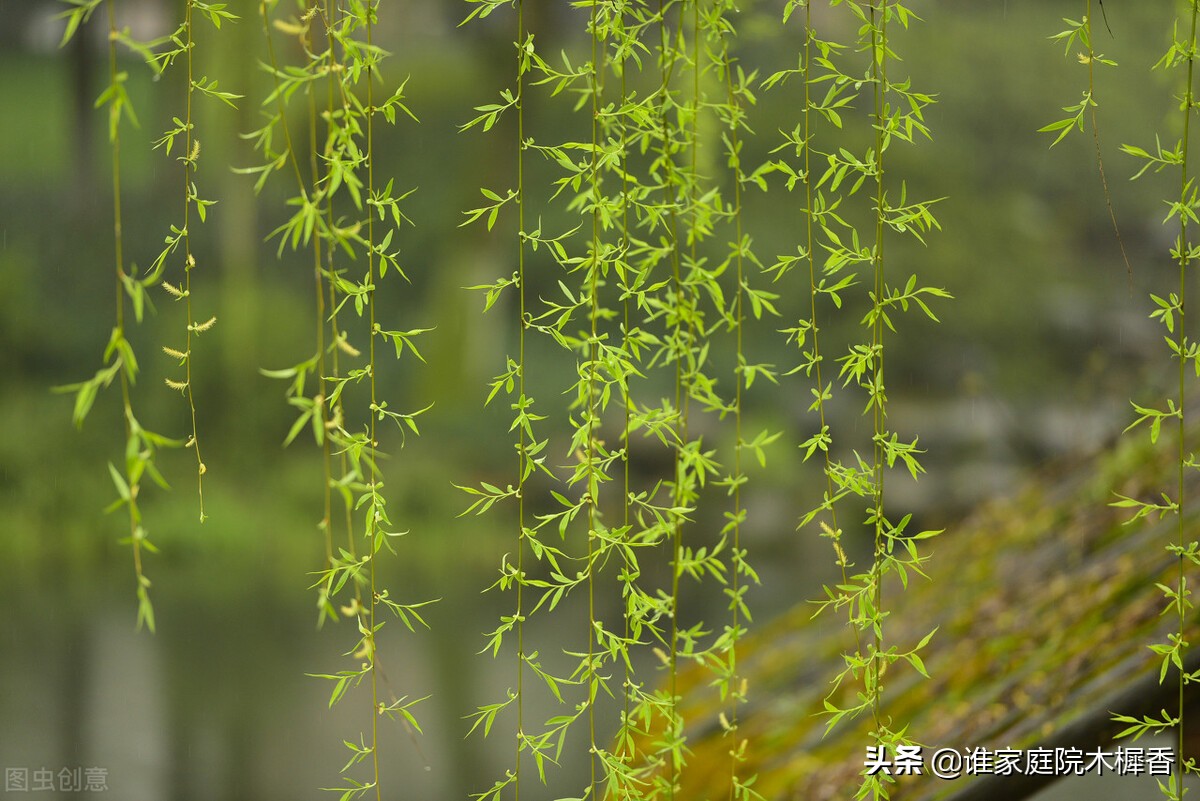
[[1045, 605]]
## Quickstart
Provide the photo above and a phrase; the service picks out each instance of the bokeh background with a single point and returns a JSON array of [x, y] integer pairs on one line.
[[1047, 341]]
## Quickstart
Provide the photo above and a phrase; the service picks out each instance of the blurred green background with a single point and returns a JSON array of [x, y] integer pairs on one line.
[[1037, 357]]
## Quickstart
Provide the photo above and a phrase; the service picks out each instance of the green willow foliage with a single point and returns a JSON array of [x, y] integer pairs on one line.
[[643, 237], [1171, 311], [141, 444], [832, 179], [652, 239], [1081, 31], [633, 262], [345, 218], [185, 129]]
